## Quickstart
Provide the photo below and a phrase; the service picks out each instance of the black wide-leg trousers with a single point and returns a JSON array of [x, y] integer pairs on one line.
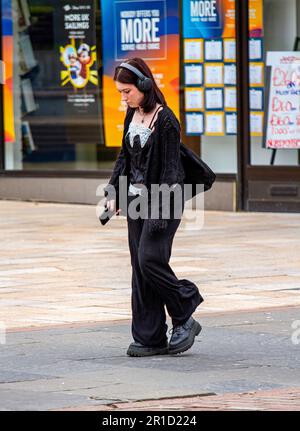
[[154, 284]]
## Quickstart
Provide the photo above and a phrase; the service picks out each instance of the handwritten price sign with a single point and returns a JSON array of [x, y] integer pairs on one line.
[[283, 126]]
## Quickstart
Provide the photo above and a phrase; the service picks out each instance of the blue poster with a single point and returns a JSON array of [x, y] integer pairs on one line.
[[139, 26], [7, 25], [148, 29], [202, 19]]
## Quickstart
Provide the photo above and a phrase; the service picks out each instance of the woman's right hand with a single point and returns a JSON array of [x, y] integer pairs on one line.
[[111, 205]]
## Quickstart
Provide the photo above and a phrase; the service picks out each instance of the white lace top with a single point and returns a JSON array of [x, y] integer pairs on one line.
[[138, 129]]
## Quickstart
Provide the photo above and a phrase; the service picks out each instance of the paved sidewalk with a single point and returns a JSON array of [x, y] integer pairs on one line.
[[58, 265], [65, 303]]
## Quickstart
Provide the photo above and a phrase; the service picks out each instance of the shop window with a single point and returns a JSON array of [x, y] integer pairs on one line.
[[55, 87], [281, 39]]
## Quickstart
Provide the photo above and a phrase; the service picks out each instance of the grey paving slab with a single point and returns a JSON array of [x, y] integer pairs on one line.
[[10, 376], [81, 366], [31, 401]]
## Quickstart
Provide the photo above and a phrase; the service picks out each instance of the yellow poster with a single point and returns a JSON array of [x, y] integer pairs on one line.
[[256, 18]]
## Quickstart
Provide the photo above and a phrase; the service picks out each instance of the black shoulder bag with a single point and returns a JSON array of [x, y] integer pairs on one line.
[[196, 171]]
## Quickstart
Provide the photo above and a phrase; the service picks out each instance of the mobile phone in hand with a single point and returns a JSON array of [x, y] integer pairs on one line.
[[106, 216]]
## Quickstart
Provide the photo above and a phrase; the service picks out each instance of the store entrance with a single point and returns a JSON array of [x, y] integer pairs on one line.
[[271, 163]]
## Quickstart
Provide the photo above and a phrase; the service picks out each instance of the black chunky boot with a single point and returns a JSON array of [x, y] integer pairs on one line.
[[183, 336], [138, 349]]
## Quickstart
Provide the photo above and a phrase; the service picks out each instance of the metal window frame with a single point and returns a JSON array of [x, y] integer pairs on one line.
[[243, 111]]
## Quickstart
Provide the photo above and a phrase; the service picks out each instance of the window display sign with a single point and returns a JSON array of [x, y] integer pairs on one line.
[[7, 56], [283, 122], [216, 18], [76, 41], [209, 43], [193, 50], [209, 19], [142, 28]]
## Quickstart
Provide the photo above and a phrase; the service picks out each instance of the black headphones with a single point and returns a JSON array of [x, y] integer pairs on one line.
[[143, 84]]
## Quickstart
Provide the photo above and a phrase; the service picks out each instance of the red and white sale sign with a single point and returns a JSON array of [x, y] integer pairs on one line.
[[283, 123]]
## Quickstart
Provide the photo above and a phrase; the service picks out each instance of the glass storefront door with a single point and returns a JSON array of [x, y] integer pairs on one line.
[[272, 181]]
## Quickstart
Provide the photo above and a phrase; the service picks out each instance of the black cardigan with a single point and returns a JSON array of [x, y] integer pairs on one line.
[[165, 161]]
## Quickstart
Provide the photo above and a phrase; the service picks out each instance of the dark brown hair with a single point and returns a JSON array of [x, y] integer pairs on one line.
[[127, 77]]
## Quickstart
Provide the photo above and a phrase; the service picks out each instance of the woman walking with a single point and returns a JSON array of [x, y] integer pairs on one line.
[[150, 155]]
